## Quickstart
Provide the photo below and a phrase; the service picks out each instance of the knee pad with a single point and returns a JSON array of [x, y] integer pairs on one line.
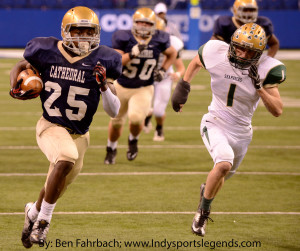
[[136, 119], [68, 152]]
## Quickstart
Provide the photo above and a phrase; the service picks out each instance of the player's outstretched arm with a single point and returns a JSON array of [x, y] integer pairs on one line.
[[181, 92]]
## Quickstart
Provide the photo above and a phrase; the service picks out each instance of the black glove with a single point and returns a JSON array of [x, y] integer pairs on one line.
[[253, 74], [100, 73], [180, 94], [136, 50], [159, 74], [18, 93]]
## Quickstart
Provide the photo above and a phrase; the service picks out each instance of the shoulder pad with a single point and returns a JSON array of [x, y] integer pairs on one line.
[[276, 75]]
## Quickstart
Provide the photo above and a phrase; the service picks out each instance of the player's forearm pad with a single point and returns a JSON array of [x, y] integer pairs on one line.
[[111, 103], [180, 94]]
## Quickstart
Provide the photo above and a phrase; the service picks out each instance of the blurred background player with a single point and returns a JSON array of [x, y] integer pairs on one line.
[[245, 11], [140, 48], [162, 89], [240, 77], [161, 10], [75, 72]]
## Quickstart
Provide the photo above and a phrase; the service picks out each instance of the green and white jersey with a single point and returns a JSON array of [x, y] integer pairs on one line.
[[234, 98]]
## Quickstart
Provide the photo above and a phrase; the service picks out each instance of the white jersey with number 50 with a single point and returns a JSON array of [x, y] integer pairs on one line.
[[234, 97]]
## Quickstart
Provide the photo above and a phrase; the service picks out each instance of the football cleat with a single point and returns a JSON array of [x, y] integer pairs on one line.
[[28, 224], [201, 216], [200, 221], [132, 149], [39, 232], [110, 157], [159, 135]]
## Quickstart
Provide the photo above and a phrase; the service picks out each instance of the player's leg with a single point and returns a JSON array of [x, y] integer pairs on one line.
[[60, 149], [162, 93], [115, 127], [148, 124], [139, 105], [31, 212], [218, 146]]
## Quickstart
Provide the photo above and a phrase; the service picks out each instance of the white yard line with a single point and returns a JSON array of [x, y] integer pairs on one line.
[[168, 128], [155, 147], [162, 213], [149, 173]]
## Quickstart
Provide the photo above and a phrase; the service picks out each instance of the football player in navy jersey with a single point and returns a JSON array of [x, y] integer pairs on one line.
[[140, 48], [245, 11], [75, 72]]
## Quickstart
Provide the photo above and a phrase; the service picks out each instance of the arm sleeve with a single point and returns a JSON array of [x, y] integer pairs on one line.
[[111, 103]]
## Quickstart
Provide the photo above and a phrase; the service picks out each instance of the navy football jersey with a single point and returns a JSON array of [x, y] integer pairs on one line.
[[71, 94], [225, 27], [139, 71]]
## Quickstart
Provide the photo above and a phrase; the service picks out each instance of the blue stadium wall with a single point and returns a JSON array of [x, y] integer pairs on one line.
[[18, 26]]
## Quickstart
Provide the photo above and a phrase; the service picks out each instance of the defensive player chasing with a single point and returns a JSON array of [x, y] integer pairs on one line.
[[140, 49], [162, 89], [75, 72], [245, 11], [240, 77]]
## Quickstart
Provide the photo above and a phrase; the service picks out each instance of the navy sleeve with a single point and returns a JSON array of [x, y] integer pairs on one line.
[[36, 51], [119, 40], [217, 30], [164, 39], [32, 53], [115, 69]]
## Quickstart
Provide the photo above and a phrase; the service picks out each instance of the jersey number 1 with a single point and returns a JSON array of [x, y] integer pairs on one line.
[[231, 94]]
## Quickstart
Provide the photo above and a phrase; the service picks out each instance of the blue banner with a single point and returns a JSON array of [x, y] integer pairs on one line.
[[18, 26]]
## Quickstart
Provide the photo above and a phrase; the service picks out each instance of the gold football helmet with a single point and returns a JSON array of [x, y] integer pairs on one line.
[[80, 17], [245, 11], [160, 24], [252, 37], [143, 15]]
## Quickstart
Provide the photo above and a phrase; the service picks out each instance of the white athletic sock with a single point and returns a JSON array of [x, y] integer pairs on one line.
[[33, 212], [46, 211], [131, 137], [112, 145]]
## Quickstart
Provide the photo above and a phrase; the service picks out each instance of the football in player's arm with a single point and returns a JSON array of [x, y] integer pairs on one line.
[[75, 72], [140, 48], [245, 11], [240, 76]]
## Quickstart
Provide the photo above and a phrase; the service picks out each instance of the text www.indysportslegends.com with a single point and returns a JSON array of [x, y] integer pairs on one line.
[[167, 244]]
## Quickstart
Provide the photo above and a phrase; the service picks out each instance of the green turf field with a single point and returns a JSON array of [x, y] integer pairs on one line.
[[151, 201]]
